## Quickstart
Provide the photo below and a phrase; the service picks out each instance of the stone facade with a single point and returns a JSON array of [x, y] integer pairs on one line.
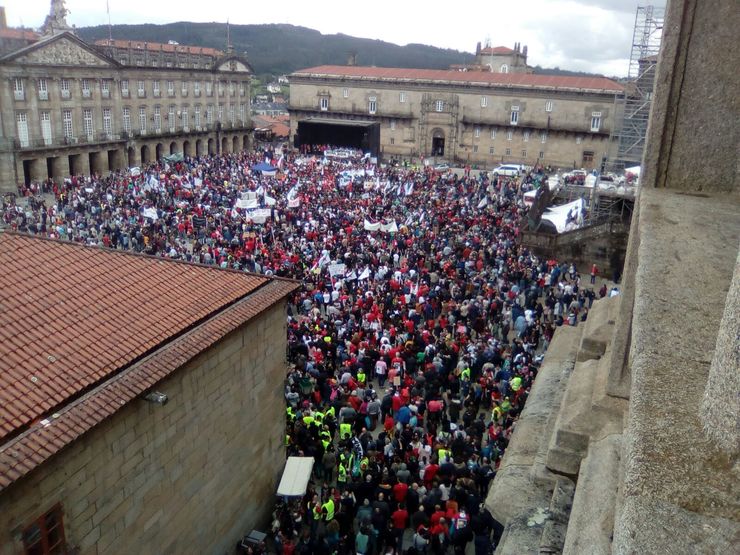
[[191, 476], [67, 108], [473, 121]]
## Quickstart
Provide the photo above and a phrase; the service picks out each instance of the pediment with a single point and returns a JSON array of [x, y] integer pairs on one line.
[[234, 64], [62, 51]]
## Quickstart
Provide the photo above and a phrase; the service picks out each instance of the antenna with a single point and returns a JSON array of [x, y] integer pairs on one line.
[[110, 30], [228, 36]]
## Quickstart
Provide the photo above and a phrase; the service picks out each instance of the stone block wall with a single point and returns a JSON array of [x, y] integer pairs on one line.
[[191, 476]]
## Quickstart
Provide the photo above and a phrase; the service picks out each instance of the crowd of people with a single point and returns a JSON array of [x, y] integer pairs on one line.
[[413, 342]]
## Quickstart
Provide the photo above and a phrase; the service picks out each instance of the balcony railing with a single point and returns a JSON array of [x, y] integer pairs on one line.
[[86, 93], [58, 142], [19, 95], [105, 93], [65, 94], [43, 95]]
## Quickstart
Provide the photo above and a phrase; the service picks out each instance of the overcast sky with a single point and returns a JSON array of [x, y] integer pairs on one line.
[[586, 35]]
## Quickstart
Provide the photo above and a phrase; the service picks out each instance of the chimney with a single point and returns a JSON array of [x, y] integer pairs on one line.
[[524, 52], [352, 59], [3, 20], [477, 49]]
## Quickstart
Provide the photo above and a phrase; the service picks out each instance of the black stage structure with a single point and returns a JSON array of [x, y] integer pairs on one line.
[[359, 134]]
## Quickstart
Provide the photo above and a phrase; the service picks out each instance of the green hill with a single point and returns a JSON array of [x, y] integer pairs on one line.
[[278, 49]]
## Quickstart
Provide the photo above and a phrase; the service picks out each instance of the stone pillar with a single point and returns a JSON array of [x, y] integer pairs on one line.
[[97, 164], [118, 158], [83, 164], [60, 168], [720, 410], [38, 169]]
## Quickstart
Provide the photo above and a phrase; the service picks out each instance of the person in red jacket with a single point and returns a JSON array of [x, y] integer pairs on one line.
[[399, 518]]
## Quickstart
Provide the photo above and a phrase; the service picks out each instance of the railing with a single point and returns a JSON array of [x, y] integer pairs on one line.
[[86, 93], [65, 94], [105, 93], [124, 93], [19, 95], [43, 95], [157, 93]]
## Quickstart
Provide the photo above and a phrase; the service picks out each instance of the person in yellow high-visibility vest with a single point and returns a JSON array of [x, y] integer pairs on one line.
[[327, 509], [345, 430], [442, 455], [342, 476]]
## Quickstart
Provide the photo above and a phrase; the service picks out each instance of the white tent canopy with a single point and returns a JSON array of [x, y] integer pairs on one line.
[[295, 478], [558, 215]]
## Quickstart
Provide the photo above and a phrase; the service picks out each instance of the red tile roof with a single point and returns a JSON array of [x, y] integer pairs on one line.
[[18, 34], [484, 78], [72, 317], [497, 50], [159, 46], [43, 439]]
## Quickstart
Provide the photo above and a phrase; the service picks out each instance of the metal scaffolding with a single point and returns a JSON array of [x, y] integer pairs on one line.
[[646, 41]]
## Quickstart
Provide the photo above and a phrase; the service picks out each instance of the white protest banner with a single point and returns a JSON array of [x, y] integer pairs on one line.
[[260, 216], [391, 227], [269, 201], [247, 204], [371, 226], [337, 269], [365, 274], [483, 202], [135, 171], [150, 213]]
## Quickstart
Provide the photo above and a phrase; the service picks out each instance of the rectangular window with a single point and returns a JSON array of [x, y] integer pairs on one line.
[[402, 97], [526, 136], [170, 88], [475, 148], [232, 88], [86, 88], [155, 88], [196, 116], [43, 90], [64, 88], [105, 88], [542, 154], [45, 117], [524, 153], [142, 119], [140, 89], [490, 150], [393, 140], [372, 105], [157, 119], [220, 112], [232, 113], [509, 135], [209, 114], [483, 101], [18, 92], [185, 119], [107, 122], [220, 85], [184, 88], [45, 535], [21, 119], [588, 156], [514, 115], [393, 125], [324, 103], [243, 112], [87, 123], [127, 120], [439, 106], [242, 90], [543, 137], [67, 124], [124, 88], [209, 88], [548, 106], [196, 88], [171, 118], [595, 121], [508, 152], [578, 139], [476, 131], [345, 92], [493, 133]]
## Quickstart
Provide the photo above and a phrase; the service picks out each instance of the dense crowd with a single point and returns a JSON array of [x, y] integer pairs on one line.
[[413, 342]]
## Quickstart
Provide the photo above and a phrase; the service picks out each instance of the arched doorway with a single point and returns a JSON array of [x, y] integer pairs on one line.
[[235, 144], [131, 157], [186, 148], [173, 147], [211, 146], [145, 158], [224, 145], [159, 151], [199, 147], [438, 142], [245, 142]]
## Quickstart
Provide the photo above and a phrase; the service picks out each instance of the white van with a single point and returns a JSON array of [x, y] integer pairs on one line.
[[509, 170]]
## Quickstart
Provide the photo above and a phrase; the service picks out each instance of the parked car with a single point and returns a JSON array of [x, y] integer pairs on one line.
[[508, 170], [442, 167]]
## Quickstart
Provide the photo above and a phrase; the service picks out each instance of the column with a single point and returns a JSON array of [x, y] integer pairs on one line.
[[60, 168], [37, 168]]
